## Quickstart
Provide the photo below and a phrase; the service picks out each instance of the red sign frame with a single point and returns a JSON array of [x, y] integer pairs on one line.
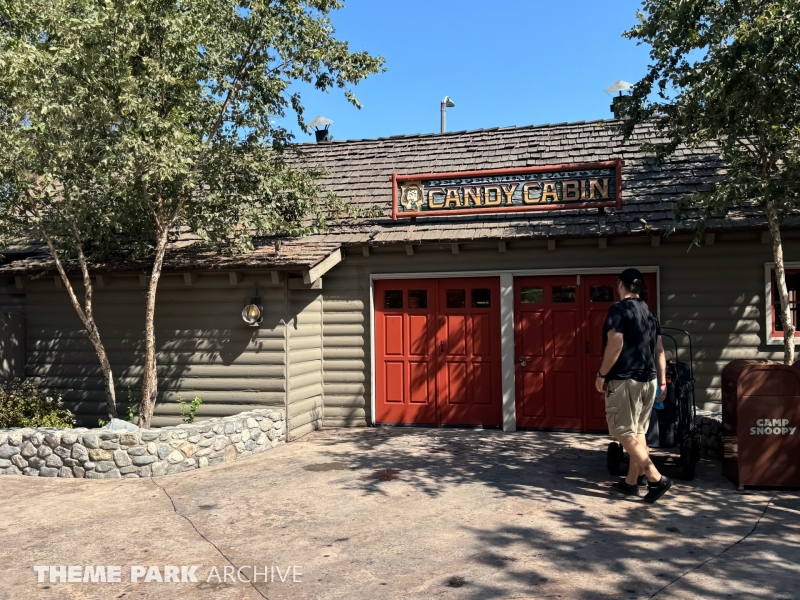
[[617, 202]]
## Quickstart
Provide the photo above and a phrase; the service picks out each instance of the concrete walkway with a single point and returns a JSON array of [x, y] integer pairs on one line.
[[406, 513]]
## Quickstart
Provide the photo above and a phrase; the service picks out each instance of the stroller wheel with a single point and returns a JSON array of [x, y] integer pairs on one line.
[[688, 460], [614, 458]]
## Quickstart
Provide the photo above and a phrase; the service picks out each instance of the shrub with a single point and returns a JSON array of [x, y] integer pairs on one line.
[[23, 404], [188, 411]]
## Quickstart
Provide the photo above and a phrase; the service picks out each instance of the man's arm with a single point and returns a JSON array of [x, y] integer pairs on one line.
[[610, 356], [661, 363]]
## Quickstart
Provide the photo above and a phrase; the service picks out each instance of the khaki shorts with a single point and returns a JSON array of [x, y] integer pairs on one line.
[[628, 406]]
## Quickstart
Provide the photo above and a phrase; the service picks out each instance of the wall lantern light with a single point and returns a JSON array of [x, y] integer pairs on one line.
[[253, 311]]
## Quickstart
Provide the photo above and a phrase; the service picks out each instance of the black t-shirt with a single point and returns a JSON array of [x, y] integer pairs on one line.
[[640, 330]]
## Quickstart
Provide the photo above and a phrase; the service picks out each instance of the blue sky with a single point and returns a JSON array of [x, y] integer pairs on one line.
[[503, 62]]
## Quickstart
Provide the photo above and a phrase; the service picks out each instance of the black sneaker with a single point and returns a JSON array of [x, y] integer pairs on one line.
[[642, 480], [623, 487], [657, 489]]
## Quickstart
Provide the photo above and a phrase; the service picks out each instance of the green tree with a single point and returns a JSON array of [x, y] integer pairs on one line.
[[726, 73], [53, 187], [182, 101]]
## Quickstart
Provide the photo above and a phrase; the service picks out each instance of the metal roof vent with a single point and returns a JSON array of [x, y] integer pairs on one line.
[[320, 125], [618, 86]]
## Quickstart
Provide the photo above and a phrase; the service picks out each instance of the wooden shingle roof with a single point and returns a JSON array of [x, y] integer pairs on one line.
[[360, 171]]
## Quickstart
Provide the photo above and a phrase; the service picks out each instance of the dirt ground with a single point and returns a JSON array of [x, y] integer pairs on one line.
[[403, 513]]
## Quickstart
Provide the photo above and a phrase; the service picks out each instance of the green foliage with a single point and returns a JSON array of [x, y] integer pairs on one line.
[[725, 74], [188, 411], [125, 119], [23, 404], [132, 408]]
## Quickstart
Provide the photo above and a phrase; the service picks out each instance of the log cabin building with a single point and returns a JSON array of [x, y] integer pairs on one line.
[[476, 299]]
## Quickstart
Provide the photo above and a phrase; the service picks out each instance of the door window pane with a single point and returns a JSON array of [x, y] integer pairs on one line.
[[481, 298], [393, 299], [531, 295], [417, 298], [563, 293], [601, 293], [456, 298]]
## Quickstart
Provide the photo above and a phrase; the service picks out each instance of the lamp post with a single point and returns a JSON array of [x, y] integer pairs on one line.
[[446, 103]]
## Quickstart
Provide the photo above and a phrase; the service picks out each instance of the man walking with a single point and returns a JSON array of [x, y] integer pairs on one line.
[[633, 364]]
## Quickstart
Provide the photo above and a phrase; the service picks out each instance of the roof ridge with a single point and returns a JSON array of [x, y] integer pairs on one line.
[[455, 133]]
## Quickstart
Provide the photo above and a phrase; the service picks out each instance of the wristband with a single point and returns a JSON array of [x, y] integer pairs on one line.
[[601, 376]]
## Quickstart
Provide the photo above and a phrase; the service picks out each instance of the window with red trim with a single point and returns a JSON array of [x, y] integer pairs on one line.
[[792, 285]]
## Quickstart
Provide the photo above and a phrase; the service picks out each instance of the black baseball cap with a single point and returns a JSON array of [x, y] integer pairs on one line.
[[629, 276]]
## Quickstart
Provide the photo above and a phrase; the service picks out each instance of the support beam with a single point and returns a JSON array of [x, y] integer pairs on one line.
[[409, 249], [655, 241], [765, 238], [190, 278], [235, 277], [100, 281], [507, 357], [501, 246], [19, 282], [602, 243], [709, 239], [551, 245], [454, 248], [322, 267], [58, 282], [365, 249], [278, 277]]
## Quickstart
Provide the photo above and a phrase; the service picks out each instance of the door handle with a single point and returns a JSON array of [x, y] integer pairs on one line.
[[522, 361]]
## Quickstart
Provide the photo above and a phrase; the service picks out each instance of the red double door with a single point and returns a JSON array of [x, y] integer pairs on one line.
[[559, 346], [437, 346]]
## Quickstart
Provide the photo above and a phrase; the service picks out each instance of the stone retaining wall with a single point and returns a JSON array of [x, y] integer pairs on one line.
[[106, 454]]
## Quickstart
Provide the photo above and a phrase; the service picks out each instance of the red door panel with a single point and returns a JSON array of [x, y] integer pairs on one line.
[[558, 333], [469, 386], [548, 338], [437, 356], [405, 354]]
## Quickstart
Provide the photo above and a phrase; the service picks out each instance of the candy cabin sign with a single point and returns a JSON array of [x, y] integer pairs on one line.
[[590, 185]]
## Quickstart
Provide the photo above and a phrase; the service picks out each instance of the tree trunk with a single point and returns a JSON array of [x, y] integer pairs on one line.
[[780, 280], [150, 381], [86, 314]]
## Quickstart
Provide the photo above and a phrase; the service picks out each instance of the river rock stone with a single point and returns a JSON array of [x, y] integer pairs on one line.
[[140, 461], [7, 451], [79, 452], [98, 454], [27, 450], [54, 461], [44, 451], [121, 458]]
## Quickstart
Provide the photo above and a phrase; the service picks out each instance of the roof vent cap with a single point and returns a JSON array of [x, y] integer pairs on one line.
[[618, 86], [320, 125]]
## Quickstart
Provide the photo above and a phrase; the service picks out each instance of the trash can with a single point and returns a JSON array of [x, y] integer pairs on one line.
[[761, 423]]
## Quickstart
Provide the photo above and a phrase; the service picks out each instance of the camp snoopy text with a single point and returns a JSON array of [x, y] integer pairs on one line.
[[772, 427]]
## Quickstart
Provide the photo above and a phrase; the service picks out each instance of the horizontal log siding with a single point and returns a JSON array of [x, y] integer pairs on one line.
[[204, 347], [304, 404], [346, 346], [715, 292]]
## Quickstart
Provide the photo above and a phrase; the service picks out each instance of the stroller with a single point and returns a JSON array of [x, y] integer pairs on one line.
[[675, 424]]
